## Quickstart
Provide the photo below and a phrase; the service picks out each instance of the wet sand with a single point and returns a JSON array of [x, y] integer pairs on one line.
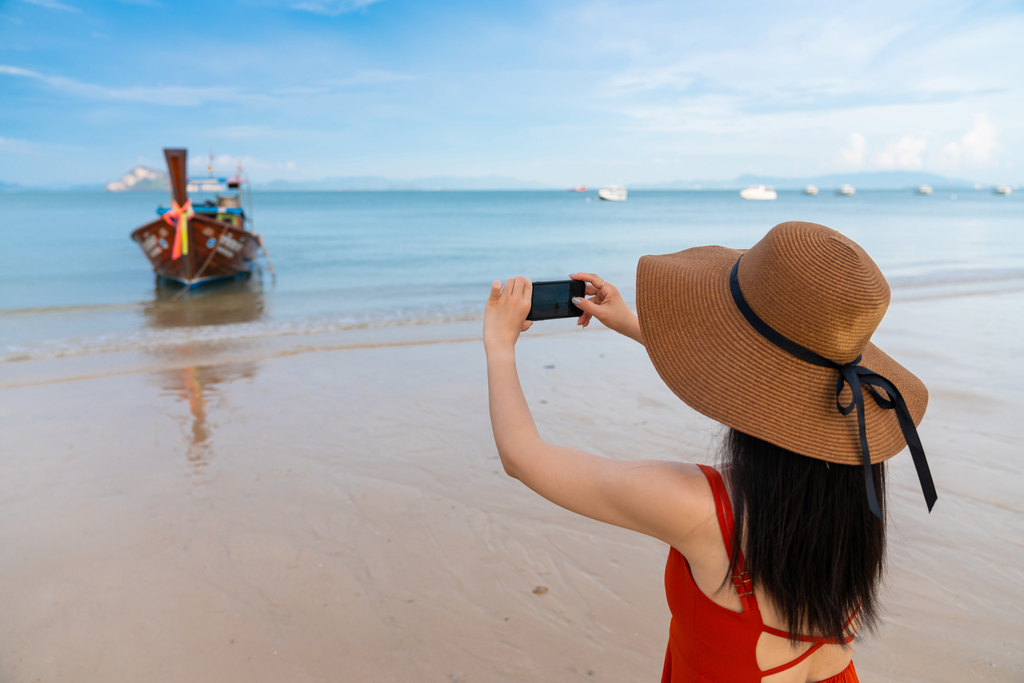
[[331, 507]]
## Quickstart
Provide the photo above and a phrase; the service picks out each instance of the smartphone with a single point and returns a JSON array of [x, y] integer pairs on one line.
[[553, 299]]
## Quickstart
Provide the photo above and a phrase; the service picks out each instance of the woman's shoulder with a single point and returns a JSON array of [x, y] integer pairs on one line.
[[694, 510], [671, 501]]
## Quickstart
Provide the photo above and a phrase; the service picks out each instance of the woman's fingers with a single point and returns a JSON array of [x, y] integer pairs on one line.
[[595, 280], [526, 285], [515, 288]]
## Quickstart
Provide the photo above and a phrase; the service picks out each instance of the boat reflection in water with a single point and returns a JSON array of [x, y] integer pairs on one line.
[[226, 304]]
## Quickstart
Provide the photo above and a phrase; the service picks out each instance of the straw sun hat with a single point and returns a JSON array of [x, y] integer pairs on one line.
[[773, 341]]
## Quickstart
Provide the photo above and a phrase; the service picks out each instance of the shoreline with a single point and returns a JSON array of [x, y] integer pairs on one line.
[[299, 508]]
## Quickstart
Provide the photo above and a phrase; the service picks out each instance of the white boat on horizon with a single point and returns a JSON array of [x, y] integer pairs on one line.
[[846, 190], [758, 192], [811, 190], [924, 189], [613, 194], [1002, 189]]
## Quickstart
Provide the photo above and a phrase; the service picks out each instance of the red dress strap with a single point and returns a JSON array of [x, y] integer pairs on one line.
[[740, 578], [818, 642], [789, 665], [815, 639]]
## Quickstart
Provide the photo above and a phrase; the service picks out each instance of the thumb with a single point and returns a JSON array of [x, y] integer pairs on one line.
[[495, 291], [587, 306]]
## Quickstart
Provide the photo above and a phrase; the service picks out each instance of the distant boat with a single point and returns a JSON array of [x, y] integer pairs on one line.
[[758, 192], [191, 245], [811, 190], [1002, 189], [613, 194], [924, 189], [581, 188], [846, 190]]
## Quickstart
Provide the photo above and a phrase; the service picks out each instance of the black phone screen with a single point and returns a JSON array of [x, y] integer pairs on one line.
[[554, 299]]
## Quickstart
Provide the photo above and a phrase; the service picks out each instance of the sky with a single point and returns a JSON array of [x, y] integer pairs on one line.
[[562, 93]]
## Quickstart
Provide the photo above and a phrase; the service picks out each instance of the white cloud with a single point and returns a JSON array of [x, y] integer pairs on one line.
[[678, 76], [228, 163], [331, 7], [976, 146], [17, 71], [904, 152], [243, 132], [193, 96], [854, 153], [170, 95], [13, 146], [372, 77], [52, 4]]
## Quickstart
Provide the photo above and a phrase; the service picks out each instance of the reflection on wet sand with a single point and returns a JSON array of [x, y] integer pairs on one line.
[[197, 385], [231, 303]]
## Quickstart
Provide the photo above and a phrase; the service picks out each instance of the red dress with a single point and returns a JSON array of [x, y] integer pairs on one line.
[[708, 643]]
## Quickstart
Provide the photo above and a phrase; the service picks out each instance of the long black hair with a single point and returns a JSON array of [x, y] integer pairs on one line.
[[812, 545]]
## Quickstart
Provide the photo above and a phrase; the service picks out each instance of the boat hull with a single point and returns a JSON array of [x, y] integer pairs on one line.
[[216, 251], [758, 192], [613, 194]]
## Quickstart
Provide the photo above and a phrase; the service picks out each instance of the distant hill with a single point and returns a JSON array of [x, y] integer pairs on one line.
[[8, 186], [873, 180], [492, 182], [139, 179]]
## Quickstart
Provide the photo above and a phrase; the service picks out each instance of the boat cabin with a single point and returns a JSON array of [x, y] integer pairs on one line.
[[227, 208]]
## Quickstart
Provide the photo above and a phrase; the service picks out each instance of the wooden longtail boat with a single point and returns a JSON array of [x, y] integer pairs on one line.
[[192, 245]]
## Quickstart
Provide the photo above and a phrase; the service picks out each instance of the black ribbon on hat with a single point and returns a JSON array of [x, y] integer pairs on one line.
[[856, 375]]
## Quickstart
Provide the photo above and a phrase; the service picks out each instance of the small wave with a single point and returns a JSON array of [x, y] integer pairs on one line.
[[965, 276], [949, 284], [906, 287], [68, 309], [154, 339]]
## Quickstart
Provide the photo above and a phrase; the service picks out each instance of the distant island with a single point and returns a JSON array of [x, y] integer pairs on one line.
[[379, 183], [871, 180], [139, 179]]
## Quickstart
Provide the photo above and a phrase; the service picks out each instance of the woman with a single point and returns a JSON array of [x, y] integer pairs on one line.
[[773, 567]]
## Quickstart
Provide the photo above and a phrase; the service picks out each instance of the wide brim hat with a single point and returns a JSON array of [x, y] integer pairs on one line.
[[811, 285]]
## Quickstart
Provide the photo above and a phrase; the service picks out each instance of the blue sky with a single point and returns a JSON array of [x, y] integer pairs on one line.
[[557, 92]]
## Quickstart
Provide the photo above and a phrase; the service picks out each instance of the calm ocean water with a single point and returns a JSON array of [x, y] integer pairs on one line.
[[72, 282]]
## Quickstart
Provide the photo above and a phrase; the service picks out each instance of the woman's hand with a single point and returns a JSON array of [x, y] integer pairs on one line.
[[505, 313], [608, 306]]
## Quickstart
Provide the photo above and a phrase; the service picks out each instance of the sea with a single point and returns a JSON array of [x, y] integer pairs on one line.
[[73, 283]]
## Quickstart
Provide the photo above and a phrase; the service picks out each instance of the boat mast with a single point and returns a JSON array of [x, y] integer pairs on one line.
[[177, 168]]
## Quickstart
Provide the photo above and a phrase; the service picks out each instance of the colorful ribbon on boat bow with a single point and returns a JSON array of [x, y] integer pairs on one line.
[[178, 216]]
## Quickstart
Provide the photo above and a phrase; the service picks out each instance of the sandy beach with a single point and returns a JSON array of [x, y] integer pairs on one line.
[[332, 508]]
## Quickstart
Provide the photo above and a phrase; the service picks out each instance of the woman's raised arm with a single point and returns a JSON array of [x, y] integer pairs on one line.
[[661, 499]]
